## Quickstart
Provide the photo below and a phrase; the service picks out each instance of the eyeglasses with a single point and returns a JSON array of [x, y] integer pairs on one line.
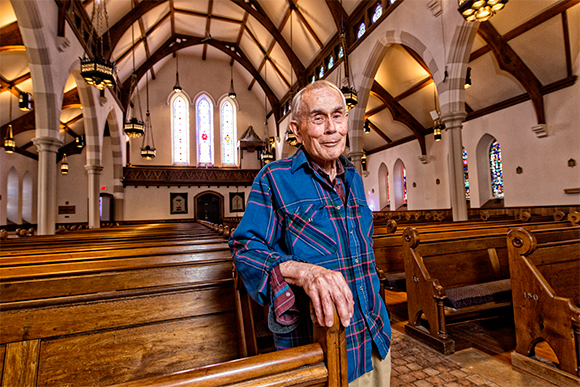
[[319, 118]]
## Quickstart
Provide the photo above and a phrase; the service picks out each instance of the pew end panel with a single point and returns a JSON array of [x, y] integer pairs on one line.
[[452, 279], [546, 287]]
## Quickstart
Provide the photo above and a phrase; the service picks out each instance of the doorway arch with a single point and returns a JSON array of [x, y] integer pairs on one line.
[[27, 201], [384, 196], [209, 206], [399, 186]]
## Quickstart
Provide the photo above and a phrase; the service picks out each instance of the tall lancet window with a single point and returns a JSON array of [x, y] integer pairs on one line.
[[180, 129], [496, 169], [204, 120], [465, 174], [228, 132]]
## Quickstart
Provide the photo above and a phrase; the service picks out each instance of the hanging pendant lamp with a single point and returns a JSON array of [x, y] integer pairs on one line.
[[134, 127], [232, 93], [64, 165], [9, 143], [148, 152], [177, 88]]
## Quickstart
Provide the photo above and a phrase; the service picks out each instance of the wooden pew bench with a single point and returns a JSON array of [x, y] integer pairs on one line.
[[463, 276], [322, 363], [389, 251], [546, 303], [115, 319]]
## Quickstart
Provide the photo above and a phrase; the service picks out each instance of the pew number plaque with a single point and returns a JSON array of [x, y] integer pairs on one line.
[[178, 203]]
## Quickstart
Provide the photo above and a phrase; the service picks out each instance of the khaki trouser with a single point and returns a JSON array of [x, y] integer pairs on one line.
[[380, 376]]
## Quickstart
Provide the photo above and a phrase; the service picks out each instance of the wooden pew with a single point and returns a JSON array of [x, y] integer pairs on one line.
[[389, 250], [546, 302], [458, 276], [323, 363], [81, 321]]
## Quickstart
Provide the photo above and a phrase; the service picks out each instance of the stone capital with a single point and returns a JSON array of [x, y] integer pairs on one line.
[[453, 120], [94, 169], [47, 144]]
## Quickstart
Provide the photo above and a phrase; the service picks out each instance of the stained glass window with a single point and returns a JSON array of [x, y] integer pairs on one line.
[[361, 30], [405, 184], [330, 62], [228, 133], [496, 169], [313, 79], [378, 13], [204, 112], [180, 129], [340, 52], [388, 192], [465, 174], [321, 72]]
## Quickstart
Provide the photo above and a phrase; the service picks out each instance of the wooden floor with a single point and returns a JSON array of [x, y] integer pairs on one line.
[[494, 336]]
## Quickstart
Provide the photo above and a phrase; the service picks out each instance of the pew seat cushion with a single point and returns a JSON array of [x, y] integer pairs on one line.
[[478, 294], [395, 281]]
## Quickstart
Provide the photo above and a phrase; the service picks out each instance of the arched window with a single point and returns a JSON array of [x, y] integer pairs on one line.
[[330, 62], [405, 184], [465, 174], [340, 52], [180, 129], [313, 79], [204, 120], [321, 72], [496, 170], [228, 132], [378, 13], [361, 30]]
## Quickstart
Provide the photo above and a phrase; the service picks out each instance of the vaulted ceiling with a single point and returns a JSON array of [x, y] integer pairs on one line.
[[522, 53]]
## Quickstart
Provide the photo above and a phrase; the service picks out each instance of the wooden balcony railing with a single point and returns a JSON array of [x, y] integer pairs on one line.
[[185, 175]]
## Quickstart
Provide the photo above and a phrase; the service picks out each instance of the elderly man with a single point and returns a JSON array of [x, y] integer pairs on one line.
[[307, 231]]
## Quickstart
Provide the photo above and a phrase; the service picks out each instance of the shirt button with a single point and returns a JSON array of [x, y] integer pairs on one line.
[[310, 219], [356, 260], [361, 288], [351, 232], [338, 207]]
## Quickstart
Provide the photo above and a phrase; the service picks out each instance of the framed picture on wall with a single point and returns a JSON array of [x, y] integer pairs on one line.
[[237, 202], [178, 203]]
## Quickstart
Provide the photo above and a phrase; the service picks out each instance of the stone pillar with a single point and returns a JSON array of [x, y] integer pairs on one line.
[[46, 198], [94, 172], [453, 124]]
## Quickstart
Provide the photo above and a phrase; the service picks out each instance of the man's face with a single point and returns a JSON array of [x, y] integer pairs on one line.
[[324, 125]]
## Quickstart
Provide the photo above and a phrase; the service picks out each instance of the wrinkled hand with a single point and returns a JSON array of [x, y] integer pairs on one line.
[[324, 287]]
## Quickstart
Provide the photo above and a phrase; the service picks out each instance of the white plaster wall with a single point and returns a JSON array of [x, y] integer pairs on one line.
[[22, 164], [153, 203], [72, 189], [195, 76]]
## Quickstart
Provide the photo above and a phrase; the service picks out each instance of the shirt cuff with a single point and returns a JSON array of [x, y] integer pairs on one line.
[[283, 309]]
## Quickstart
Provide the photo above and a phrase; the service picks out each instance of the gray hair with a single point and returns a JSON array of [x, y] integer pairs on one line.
[[313, 86]]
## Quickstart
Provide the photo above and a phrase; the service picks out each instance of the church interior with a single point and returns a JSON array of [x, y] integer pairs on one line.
[[132, 131]]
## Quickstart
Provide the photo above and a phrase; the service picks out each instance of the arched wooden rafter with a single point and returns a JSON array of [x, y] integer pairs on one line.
[[170, 46], [400, 114]]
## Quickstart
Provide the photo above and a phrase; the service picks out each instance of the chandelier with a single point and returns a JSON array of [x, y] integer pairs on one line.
[[95, 69], [480, 10]]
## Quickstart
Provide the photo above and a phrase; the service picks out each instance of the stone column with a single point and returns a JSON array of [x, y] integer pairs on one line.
[[46, 198], [453, 124], [94, 172]]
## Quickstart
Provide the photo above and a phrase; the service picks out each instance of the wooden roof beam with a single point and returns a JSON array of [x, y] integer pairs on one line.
[[509, 61], [379, 132], [401, 114], [207, 28], [337, 12]]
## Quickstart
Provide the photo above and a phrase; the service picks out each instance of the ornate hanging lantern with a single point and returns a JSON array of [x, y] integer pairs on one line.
[[64, 165], [95, 69], [9, 143], [134, 127], [480, 10]]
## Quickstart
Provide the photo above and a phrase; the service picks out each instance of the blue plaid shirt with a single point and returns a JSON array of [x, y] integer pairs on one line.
[[293, 213]]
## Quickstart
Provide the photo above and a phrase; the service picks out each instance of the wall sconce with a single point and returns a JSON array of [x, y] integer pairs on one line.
[[80, 141], [25, 101], [571, 163], [437, 130], [363, 161]]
